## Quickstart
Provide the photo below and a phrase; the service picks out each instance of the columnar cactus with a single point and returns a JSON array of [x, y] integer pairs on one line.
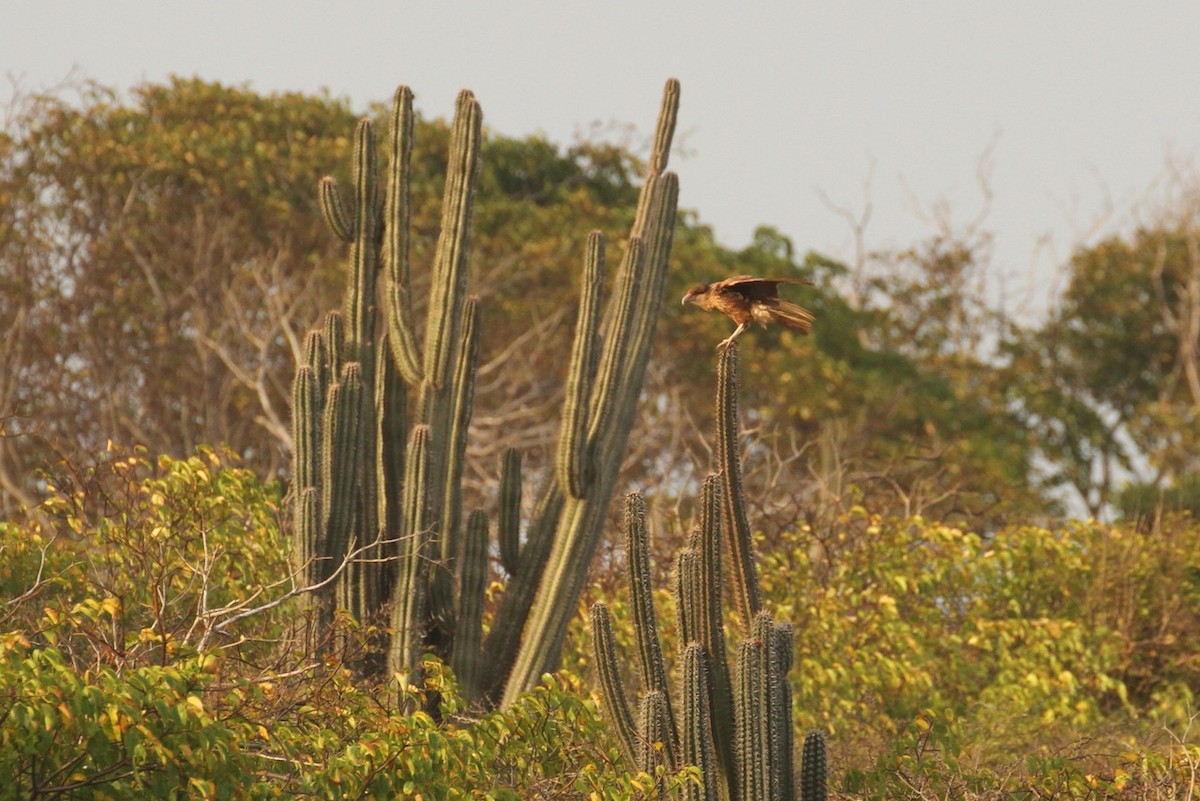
[[737, 528], [379, 478], [735, 723]]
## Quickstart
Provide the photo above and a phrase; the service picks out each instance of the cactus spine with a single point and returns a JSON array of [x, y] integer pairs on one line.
[[379, 476]]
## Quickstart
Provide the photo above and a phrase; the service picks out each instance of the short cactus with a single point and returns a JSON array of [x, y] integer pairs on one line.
[[814, 768]]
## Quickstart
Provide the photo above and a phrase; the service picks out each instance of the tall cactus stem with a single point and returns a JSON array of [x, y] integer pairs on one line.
[[737, 528], [333, 209], [645, 622], [462, 403], [360, 295], [398, 215], [409, 600], [616, 708], [712, 631], [696, 734], [689, 605], [574, 457], [391, 419], [450, 258], [654, 755], [473, 570], [752, 750], [341, 452], [508, 524], [505, 639]]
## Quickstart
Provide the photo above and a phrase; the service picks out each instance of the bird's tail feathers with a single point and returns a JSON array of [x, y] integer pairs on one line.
[[792, 316]]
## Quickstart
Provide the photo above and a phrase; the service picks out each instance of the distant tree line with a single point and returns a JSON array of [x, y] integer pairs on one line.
[[161, 255]]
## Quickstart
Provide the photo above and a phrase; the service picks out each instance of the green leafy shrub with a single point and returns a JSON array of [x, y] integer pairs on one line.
[[152, 648]]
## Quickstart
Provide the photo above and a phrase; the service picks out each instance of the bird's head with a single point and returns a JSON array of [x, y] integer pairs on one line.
[[695, 293]]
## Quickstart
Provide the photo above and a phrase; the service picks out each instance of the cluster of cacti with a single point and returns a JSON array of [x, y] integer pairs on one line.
[[377, 480], [735, 724]]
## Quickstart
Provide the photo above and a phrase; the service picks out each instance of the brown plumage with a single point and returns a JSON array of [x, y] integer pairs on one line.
[[746, 299]]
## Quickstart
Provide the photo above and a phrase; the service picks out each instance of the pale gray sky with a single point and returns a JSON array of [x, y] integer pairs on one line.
[[1083, 102]]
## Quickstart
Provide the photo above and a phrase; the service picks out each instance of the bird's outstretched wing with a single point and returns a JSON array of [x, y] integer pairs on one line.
[[756, 288]]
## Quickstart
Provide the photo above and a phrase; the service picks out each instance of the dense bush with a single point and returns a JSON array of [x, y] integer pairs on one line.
[[153, 648]]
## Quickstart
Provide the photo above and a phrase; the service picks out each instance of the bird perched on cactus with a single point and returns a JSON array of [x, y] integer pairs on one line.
[[746, 299]]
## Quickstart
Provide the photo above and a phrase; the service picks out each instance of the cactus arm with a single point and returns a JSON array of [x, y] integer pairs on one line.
[[712, 629], [333, 209], [618, 330], [737, 529], [609, 673], [341, 447], [574, 462], [774, 717], [398, 214], [814, 768], [461, 404], [334, 336], [785, 740], [645, 623], [580, 529], [653, 752], [508, 526], [505, 640], [473, 569], [752, 751], [305, 429], [696, 734], [409, 598], [450, 258], [685, 587], [360, 295]]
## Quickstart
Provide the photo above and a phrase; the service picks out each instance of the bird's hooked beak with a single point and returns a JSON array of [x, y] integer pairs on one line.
[[690, 297]]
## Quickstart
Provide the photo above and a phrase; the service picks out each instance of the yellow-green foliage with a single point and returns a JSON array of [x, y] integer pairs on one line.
[[996, 654], [950, 664], [136, 560], [943, 663], [130, 669]]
